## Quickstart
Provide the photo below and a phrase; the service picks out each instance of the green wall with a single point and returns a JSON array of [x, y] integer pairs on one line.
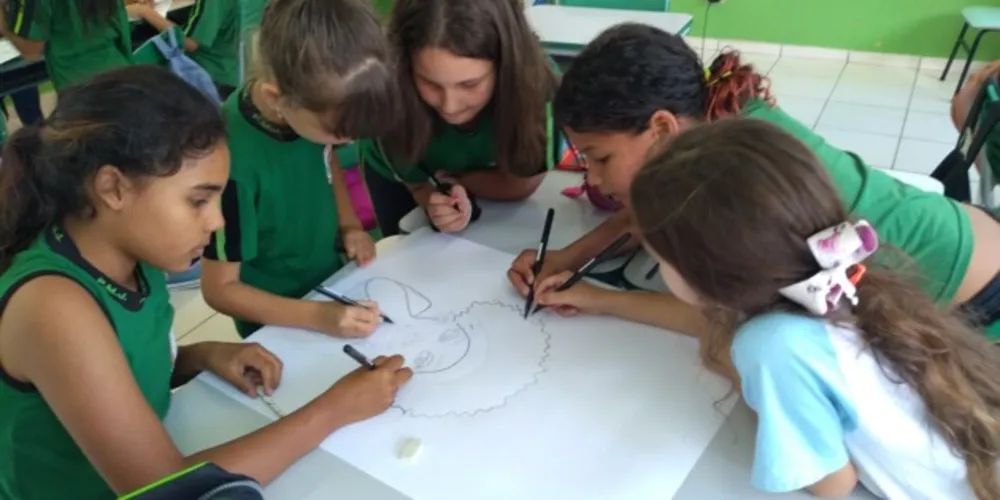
[[921, 27]]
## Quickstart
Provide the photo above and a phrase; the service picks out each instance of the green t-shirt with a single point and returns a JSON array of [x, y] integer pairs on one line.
[[931, 229], [38, 458], [215, 25], [75, 50], [280, 211], [453, 150]]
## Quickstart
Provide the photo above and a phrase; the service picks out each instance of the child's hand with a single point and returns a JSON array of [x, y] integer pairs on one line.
[[364, 393], [581, 297], [244, 365], [450, 214], [522, 273], [138, 10], [359, 245], [349, 321]]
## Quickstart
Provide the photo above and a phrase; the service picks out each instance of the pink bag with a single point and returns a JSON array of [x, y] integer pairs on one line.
[[360, 198]]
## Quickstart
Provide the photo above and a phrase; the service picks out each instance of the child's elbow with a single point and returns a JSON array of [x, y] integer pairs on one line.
[[838, 484]]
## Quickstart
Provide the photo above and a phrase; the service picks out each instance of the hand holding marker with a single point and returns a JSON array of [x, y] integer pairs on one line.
[[445, 189], [346, 301], [605, 254], [543, 246]]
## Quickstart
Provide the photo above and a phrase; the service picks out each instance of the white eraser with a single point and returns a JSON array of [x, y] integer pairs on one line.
[[410, 449]]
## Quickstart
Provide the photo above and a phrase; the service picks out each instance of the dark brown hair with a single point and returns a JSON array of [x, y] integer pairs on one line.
[[630, 71], [729, 205], [494, 30], [144, 120], [330, 57]]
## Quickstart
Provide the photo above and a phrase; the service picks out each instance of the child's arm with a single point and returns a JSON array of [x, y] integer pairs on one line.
[[662, 310], [86, 381], [28, 37], [147, 13], [357, 242]]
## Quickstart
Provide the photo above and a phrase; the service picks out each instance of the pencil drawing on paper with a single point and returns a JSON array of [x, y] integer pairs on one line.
[[465, 362]]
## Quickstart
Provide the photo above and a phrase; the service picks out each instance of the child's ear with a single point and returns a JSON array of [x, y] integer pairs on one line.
[[664, 123], [112, 188], [272, 94]]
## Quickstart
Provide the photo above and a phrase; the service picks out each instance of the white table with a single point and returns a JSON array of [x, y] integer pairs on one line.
[[566, 30], [200, 418], [925, 182]]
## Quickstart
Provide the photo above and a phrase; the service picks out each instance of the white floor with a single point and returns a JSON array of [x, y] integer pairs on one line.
[[896, 117]]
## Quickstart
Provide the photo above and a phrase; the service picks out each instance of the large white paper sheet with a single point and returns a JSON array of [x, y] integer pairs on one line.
[[581, 408]]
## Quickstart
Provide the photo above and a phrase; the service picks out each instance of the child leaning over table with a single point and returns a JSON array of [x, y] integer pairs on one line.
[[323, 78], [854, 375]]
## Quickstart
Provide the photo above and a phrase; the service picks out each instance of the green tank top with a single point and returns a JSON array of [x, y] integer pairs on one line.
[[934, 231], [38, 458]]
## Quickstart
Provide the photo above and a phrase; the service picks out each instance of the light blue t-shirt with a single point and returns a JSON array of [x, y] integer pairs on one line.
[[821, 400]]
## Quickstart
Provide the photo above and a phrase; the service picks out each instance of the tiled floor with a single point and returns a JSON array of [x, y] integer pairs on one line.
[[894, 116]]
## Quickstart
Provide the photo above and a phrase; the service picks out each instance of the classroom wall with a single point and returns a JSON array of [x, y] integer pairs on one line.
[[921, 27]]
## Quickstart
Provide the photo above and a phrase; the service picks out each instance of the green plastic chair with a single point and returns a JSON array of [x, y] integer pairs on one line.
[[647, 5], [982, 19], [990, 157]]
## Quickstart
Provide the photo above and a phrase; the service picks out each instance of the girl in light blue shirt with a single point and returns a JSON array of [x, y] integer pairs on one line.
[[854, 373]]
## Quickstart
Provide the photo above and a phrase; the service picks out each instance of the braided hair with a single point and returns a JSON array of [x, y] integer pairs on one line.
[[631, 71]]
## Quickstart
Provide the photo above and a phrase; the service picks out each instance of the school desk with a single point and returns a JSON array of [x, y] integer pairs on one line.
[[565, 30], [200, 417], [18, 74]]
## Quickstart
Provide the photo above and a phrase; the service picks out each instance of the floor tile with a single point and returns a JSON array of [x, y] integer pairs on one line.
[[920, 156], [877, 150], [878, 75], [931, 94], [814, 52], [790, 65], [804, 109], [814, 87], [890, 96], [220, 329], [190, 310], [930, 127], [860, 118]]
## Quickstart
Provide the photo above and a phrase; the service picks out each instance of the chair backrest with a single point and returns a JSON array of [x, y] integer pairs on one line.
[[167, 50], [648, 5], [991, 148]]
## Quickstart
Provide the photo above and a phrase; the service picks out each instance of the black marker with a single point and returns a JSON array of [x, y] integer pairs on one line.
[[357, 356], [347, 301], [580, 273], [543, 246]]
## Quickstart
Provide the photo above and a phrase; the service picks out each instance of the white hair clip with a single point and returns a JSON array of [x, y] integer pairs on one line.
[[838, 250]]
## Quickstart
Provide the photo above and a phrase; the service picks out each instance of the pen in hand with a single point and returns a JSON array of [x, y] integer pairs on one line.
[[347, 301], [357, 356], [580, 273], [539, 259]]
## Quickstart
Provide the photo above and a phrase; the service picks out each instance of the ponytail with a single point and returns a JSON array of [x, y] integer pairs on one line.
[[731, 85], [953, 368], [24, 210]]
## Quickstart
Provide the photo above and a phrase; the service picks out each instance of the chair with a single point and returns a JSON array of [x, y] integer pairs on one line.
[[979, 130], [649, 5], [982, 19]]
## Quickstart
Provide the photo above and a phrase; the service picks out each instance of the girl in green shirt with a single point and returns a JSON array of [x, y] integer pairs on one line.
[[634, 84], [120, 183], [476, 87], [323, 77], [79, 38]]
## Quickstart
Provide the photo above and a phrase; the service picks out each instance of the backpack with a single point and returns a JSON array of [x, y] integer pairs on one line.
[[165, 50], [205, 481]]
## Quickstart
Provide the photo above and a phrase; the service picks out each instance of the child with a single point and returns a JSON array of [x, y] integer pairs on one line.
[[475, 86], [212, 36], [121, 181], [749, 228], [323, 79], [634, 83], [79, 38]]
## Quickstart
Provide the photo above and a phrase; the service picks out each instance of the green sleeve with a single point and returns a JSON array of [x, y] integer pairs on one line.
[[373, 156], [206, 21], [30, 19], [237, 240]]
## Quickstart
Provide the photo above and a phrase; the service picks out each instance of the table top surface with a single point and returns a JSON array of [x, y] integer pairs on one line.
[[558, 24], [200, 417]]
